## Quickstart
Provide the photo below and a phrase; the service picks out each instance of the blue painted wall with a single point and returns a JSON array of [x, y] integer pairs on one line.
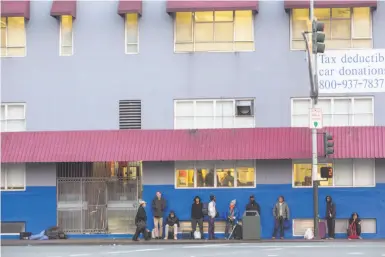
[[36, 207], [368, 202]]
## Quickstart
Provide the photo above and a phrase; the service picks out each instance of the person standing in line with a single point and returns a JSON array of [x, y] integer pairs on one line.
[[140, 221], [253, 205], [212, 211], [330, 217], [197, 215], [281, 213], [158, 208]]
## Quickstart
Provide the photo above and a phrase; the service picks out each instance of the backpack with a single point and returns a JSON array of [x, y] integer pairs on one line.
[[205, 209]]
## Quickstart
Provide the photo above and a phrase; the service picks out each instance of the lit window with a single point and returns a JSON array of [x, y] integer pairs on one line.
[[132, 33], [13, 117], [344, 27], [13, 38], [220, 31], [12, 177], [236, 174], [346, 173], [66, 35], [336, 111]]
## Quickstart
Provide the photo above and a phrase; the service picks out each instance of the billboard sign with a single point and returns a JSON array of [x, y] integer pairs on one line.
[[351, 71]]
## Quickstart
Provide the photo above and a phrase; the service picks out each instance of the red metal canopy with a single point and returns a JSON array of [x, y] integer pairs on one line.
[[192, 6], [177, 145], [63, 7], [19, 8], [130, 6], [291, 4]]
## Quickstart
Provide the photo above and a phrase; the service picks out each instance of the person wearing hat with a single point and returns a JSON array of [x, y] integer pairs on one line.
[[232, 216], [140, 221], [212, 211], [253, 205], [172, 221]]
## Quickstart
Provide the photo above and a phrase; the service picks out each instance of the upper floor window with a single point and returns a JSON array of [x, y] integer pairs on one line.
[[132, 33], [219, 31], [66, 35], [13, 177], [13, 38], [206, 113], [344, 27], [13, 117], [336, 111]]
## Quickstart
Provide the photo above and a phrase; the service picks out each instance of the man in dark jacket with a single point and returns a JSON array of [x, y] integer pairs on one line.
[[171, 222], [158, 207], [330, 216], [253, 205], [197, 215], [140, 221]]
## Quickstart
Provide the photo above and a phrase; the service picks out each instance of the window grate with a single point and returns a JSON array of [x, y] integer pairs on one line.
[[130, 114]]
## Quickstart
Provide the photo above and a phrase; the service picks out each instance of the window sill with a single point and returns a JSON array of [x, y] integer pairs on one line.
[[13, 190], [211, 188], [230, 52], [307, 187]]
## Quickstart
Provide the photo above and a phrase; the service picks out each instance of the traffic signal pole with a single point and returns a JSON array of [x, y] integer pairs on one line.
[[314, 133]]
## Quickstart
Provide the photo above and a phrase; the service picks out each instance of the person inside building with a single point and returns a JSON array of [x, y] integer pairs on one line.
[[209, 179], [141, 221], [158, 208], [172, 222], [253, 206], [228, 180], [212, 213], [231, 217], [354, 230], [281, 213], [197, 215], [200, 179], [330, 216]]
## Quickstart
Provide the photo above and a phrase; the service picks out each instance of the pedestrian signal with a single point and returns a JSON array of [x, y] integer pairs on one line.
[[326, 172]]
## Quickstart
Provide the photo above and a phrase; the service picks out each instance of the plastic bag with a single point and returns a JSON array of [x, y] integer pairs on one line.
[[309, 234], [197, 235]]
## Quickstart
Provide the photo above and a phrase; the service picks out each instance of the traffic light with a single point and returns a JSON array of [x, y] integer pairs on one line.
[[328, 144], [318, 37], [327, 172]]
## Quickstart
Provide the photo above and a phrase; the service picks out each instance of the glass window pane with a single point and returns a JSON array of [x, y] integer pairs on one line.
[[340, 29], [204, 122], [302, 175], [341, 13], [226, 177], [244, 26], [300, 120], [338, 44], [2, 114], [183, 31], [363, 105], [205, 177], [363, 172], [342, 120], [297, 28], [204, 32], [15, 177], [363, 120], [184, 108], [361, 23], [327, 29], [361, 43], [132, 48], [184, 47], [245, 177], [300, 14], [66, 50], [132, 28], [16, 32], [204, 16], [224, 109], [298, 45], [66, 30], [204, 108], [322, 13], [342, 106], [3, 177], [15, 125], [226, 122], [224, 16], [343, 173], [325, 105], [205, 47], [324, 183], [15, 112], [244, 46], [184, 123], [224, 32], [301, 106], [185, 178]]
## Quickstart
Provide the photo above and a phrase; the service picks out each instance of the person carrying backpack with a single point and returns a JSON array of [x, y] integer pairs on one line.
[[197, 215]]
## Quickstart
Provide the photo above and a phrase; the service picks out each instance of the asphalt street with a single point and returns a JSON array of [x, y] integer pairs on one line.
[[322, 249]]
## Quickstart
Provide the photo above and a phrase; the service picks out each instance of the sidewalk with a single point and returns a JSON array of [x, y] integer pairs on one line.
[[162, 242]]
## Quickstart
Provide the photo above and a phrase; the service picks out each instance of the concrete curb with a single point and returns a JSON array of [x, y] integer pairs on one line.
[[160, 242]]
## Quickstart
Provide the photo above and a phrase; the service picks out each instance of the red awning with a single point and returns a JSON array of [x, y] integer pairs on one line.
[[291, 4], [192, 6], [63, 7], [19, 8], [130, 6], [178, 145]]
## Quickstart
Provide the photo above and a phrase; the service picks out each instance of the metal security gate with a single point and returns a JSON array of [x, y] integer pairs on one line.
[[98, 197]]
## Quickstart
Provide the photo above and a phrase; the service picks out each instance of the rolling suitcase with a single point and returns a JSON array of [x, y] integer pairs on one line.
[[322, 229]]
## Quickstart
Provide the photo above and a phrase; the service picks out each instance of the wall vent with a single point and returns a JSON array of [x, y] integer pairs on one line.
[[130, 114]]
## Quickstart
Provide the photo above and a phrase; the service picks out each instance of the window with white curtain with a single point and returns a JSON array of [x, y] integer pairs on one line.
[[336, 111], [13, 177], [208, 113], [346, 173], [13, 117]]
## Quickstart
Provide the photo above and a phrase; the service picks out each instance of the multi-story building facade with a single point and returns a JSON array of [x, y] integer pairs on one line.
[[105, 102]]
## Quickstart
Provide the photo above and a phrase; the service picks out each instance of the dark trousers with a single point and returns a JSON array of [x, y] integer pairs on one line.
[[358, 229], [194, 223], [139, 229], [279, 226], [331, 223], [211, 228]]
